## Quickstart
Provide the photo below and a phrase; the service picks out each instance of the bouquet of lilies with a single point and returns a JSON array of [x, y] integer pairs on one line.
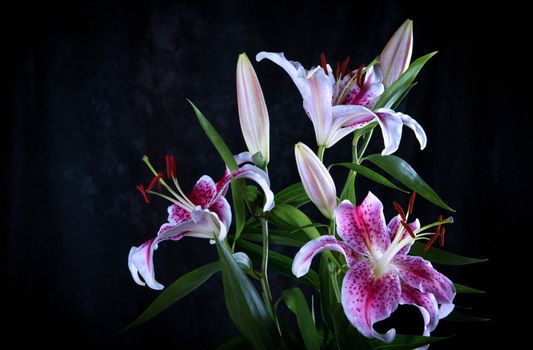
[[369, 264]]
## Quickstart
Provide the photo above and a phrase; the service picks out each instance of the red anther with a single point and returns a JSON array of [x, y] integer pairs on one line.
[[171, 165], [344, 66], [143, 193], [408, 229], [430, 242], [399, 209], [442, 233], [337, 70], [155, 180], [359, 79], [412, 203], [323, 63]]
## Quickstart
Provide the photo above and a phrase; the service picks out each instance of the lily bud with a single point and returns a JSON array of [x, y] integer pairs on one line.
[[253, 113], [316, 180], [396, 55]]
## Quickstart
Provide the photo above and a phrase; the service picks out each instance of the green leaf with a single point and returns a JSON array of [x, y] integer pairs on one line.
[[346, 335], [245, 307], [405, 342], [288, 216], [398, 90], [370, 174], [402, 96], [176, 291], [285, 240], [277, 262], [457, 316], [461, 288], [403, 172], [295, 301], [328, 300], [439, 256], [293, 194], [235, 343], [348, 191], [238, 188]]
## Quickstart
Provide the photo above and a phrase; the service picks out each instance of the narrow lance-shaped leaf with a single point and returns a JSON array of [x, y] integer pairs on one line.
[[405, 342], [370, 174], [403, 172], [295, 301], [245, 307], [293, 194], [397, 90], [346, 336], [176, 291], [439, 256], [461, 288], [457, 316], [238, 188]]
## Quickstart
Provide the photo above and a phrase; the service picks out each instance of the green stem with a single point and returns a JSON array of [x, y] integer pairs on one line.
[[364, 145], [267, 295], [333, 272], [320, 153]]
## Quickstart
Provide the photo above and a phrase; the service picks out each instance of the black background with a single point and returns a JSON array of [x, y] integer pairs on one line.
[[92, 87]]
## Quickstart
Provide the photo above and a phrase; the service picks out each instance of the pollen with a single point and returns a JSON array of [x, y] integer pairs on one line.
[[171, 166], [399, 209], [141, 189], [412, 204], [323, 63], [408, 229], [155, 181]]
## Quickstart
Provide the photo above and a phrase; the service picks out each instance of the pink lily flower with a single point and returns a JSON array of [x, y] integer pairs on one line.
[[204, 213], [381, 275], [340, 103]]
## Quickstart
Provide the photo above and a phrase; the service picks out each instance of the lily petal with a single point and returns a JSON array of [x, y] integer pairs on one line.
[[176, 215], [253, 113], [203, 224], [316, 180], [222, 208], [316, 90], [347, 118], [302, 260], [204, 192], [260, 177], [425, 302], [372, 89], [420, 274], [396, 56], [391, 124], [393, 227], [363, 227], [367, 300]]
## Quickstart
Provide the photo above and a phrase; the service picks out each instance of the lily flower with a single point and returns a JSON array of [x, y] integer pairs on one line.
[[204, 213], [253, 113], [381, 275], [396, 56], [340, 103], [316, 180]]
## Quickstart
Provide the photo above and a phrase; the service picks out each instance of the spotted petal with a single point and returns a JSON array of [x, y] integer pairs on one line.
[[367, 299], [425, 302], [394, 226], [347, 118], [418, 273], [369, 93], [302, 260], [204, 192], [176, 215], [203, 224], [363, 227]]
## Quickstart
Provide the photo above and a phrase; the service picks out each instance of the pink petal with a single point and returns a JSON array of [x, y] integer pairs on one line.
[[176, 215], [367, 300], [396, 55], [426, 303], [372, 89], [302, 260], [204, 192], [418, 273], [203, 224], [363, 227], [346, 119], [260, 177], [222, 208], [393, 226], [391, 124]]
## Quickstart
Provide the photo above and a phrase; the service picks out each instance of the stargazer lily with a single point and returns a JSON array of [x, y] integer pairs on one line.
[[341, 102], [396, 56], [381, 275], [204, 213]]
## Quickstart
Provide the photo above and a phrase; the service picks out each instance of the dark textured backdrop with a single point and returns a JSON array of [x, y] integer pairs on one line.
[[93, 87]]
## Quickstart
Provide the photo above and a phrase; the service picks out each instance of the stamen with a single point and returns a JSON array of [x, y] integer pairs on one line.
[[442, 233], [359, 80], [344, 66], [323, 62], [155, 181], [435, 235], [337, 71], [171, 166], [408, 229], [399, 209], [140, 188], [412, 203]]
